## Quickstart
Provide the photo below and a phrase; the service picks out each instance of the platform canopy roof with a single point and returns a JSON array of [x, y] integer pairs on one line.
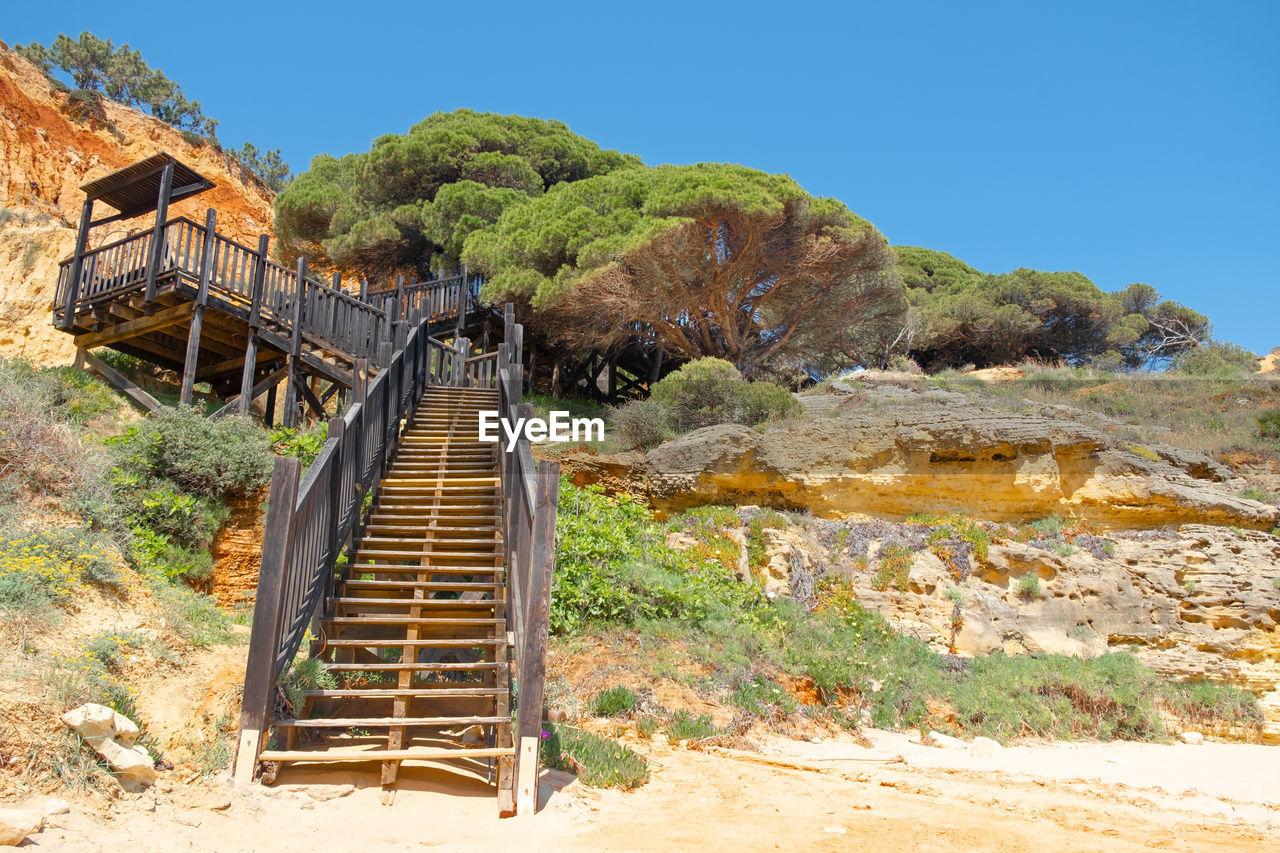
[[134, 190]]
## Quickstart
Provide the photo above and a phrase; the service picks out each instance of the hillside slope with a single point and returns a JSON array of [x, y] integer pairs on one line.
[[50, 144]]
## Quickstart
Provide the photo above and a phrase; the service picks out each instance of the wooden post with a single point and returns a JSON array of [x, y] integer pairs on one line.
[[269, 414], [291, 390], [77, 266], [157, 233], [360, 380], [197, 315], [533, 655], [398, 327], [255, 317], [655, 367], [260, 675], [364, 290]]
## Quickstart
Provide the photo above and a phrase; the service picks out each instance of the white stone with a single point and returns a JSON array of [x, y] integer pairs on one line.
[[56, 807], [92, 721], [134, 767], [17, 824], [984, 747], [1193, 738], [946, 741]]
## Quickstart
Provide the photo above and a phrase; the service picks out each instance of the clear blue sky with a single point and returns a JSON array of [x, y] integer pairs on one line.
[[1132, 141]]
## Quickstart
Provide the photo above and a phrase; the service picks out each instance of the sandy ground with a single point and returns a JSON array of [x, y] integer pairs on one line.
[[834, 795]]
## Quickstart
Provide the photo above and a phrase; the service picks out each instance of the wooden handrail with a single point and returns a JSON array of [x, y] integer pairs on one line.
[[310, 522]]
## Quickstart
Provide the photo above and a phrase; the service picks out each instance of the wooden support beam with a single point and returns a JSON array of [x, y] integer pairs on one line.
[[255, 314], [295, 350], [267, 383], [77, 266], [157, 232], [135, 327], [86, 360], [310, 398], [197, 314]]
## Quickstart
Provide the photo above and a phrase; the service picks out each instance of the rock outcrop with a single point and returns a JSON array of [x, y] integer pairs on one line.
[[930, 455], [50, 144], [113, 737]]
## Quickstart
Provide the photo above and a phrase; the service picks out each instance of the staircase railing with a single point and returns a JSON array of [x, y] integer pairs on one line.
[[309, 523], [531, 495]]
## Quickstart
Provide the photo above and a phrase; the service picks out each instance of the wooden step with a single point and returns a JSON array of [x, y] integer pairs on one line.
[[421, 692], [392, 619], [460, 556], [349, 755], [442, 603], [409, 586], [372, 568], [380, 722], [470, 666], [428, 643]]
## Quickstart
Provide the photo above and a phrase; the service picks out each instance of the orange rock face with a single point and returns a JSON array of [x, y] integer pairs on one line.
[[49, 146]]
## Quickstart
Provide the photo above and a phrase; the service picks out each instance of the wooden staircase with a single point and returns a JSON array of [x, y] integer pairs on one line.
[[416, 636]]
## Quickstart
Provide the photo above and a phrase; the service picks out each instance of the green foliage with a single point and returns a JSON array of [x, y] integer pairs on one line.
[[614, 702], [599, 762], [411, 200], [121, 74], [1269, 423], [269, 166], [1257, 493], [218, 459], [303, 443], [46, 567], [613, 567], [641, 424], [685, 726], [961, 316], [708, 259], [701, 393], [710, 391], [305, 674], [1029, 586], [1215, 359], [894, 568]]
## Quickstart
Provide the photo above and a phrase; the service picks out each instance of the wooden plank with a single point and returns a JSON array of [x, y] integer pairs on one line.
[[86, 360], [351, 722], [137, 326], [411, 754], [527, 776]]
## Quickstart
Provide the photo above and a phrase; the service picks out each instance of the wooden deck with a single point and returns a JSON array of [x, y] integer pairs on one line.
[[225, 314]]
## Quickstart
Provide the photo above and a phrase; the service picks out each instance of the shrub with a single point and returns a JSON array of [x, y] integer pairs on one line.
[[305, 674], [895, 566], [47, 567], [641, 424], [1217, 359], [614, 702], [685, 726], [40, 448], [701, 393], [613, 567], [760, 402], [303, 444], [710, 391], [1029, 586], [230, 457], [598, 761], [1269, 423], [1257, 493]]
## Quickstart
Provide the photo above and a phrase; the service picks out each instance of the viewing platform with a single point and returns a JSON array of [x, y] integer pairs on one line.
[[185, 298]]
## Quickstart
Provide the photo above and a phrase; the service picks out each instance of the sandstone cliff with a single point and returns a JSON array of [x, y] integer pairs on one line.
[[909, 451], [49, 146]]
